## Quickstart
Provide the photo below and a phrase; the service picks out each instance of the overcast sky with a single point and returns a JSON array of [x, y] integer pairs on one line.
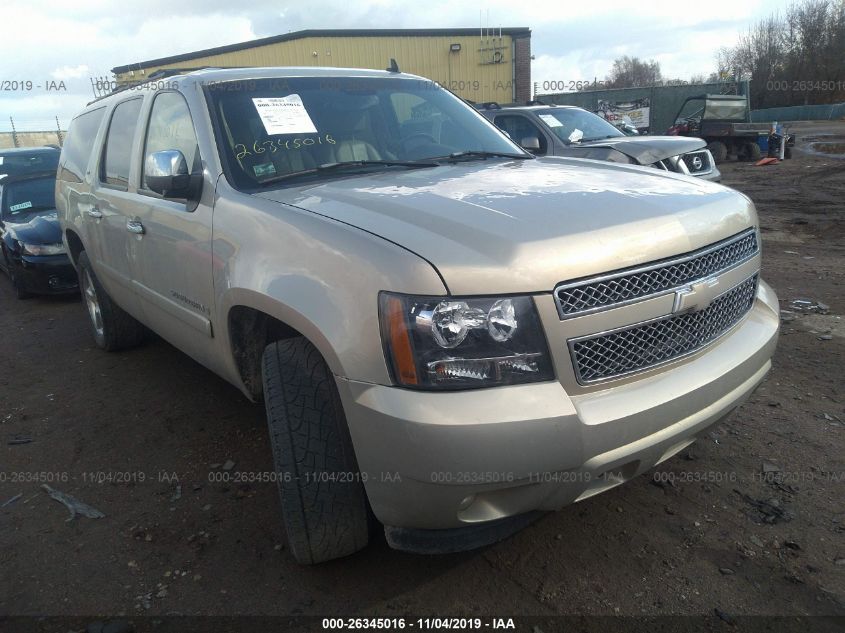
[[75, 40]]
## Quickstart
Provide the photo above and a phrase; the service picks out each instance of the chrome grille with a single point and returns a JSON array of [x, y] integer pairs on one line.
[[625, 286], [703, 165], [646, 345]]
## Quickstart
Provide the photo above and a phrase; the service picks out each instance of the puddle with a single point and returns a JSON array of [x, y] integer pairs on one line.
[[829, 148], [826, 145]]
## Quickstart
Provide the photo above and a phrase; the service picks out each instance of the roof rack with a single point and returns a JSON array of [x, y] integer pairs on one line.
[[157, 75], [535, 102]]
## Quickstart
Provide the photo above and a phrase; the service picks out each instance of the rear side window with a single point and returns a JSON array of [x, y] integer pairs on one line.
[[117, 155], [79, 144], [171, 127]]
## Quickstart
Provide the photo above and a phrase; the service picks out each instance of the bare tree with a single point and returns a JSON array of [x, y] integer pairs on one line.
[[632, 72], [795, 59]]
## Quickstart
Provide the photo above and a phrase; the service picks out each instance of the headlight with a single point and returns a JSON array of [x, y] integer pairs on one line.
[[42, 249], [454, 343]]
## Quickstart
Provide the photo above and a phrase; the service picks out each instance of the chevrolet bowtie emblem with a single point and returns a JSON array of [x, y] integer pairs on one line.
[[696, 296]]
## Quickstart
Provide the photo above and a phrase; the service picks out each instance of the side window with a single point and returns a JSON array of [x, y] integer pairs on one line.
[[519, 128], [117, 156], [171, 127], [79, 144]]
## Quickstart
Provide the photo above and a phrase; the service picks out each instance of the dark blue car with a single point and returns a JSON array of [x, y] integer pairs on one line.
[[30, 238]]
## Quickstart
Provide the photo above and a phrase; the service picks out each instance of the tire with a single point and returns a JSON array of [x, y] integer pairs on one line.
[[20, 291], [751, 152], [719, 151], [325, 516], [787, 153], [113, 329]]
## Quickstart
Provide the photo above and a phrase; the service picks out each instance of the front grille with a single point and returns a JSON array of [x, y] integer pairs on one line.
[[625, 286], [698, 162], [646, 345]]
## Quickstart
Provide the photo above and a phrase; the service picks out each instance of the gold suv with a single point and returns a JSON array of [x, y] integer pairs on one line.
[[450, 334]]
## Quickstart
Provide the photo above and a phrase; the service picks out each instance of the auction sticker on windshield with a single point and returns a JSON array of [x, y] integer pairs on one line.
[[284, 115], [551, 120], [22, 205]]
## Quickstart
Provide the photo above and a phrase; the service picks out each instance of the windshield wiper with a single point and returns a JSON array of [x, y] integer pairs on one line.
[[350, 164], [598, 138], [473, 153]]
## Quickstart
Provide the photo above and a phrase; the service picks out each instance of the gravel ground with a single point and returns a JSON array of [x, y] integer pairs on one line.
[[750, 522]]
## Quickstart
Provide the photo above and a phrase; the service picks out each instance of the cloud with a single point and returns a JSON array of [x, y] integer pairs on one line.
[[70, 72], [571, 41]]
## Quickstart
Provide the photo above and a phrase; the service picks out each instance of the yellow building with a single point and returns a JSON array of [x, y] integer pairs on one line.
[[475, 64]]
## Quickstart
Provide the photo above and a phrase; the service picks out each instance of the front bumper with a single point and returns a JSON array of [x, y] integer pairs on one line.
[[713, 176], [46, 274], [445, 460]]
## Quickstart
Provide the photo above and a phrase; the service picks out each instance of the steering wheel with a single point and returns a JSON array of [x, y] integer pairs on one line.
[[419, 136]]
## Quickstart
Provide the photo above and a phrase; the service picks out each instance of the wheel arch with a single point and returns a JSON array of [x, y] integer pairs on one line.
[[74, 245], [253, 321]]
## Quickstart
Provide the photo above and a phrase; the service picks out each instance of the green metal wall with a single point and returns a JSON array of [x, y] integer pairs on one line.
[[829, 112], [665, 100]]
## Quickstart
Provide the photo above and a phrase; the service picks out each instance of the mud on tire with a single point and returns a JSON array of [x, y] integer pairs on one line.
[[324, 505], [113, 329]]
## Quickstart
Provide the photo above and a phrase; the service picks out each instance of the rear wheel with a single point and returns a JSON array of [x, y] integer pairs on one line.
[[751, 152], [324, 505], [719, 151], [113, 328]]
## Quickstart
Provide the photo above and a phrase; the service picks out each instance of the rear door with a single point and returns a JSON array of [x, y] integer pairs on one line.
[[173, 253], [112, 211]]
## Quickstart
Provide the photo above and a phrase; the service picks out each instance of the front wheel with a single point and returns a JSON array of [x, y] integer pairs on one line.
[[113, 328], [324, 505], [17, 285]]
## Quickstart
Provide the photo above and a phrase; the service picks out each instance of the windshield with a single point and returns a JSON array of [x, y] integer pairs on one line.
[[567, 122], [28, 197], [733, 110], [270, 128], [18, 164], [713, 109]]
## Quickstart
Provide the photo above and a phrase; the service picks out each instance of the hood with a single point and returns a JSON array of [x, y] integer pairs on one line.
[[41, 229], [648, 149], [494, 227]]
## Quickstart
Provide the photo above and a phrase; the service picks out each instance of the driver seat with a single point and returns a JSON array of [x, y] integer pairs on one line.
[[353, 149], [357, 125]]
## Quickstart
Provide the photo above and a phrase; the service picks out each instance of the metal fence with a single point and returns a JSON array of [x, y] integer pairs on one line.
[[665, 101], [35, 132], [827, 112]]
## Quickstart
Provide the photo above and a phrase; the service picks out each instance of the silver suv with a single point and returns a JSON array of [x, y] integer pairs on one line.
[[552, 130], [449, 334]]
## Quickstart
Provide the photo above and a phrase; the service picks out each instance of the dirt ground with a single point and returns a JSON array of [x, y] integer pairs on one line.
[[751, 522]]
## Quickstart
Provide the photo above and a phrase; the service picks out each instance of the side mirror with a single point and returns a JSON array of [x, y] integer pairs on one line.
[[530, 144], [166, 172]]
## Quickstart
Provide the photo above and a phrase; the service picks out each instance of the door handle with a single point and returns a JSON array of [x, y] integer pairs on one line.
[[95, 213], [135, 226]]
